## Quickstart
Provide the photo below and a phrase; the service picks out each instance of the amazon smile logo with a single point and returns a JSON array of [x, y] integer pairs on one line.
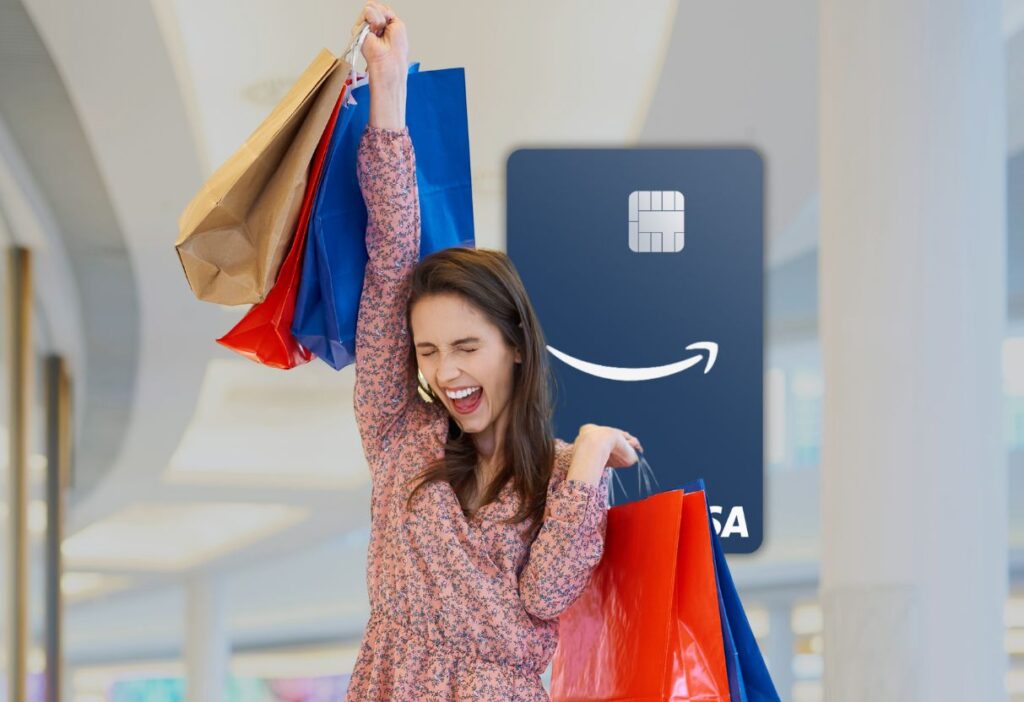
[[709, 348]]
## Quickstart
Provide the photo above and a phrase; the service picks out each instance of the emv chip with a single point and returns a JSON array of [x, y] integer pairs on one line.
[[656, 221]]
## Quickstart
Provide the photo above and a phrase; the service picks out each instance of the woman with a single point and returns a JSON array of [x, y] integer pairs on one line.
[[484, 527]]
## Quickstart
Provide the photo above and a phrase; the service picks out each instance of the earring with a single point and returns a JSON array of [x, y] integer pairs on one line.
[[423, 387]]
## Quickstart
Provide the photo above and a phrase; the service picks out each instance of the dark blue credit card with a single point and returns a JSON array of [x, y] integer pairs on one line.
[[646, 267]]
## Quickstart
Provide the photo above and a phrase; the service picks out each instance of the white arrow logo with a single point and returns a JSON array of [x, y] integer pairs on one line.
[[615, 373]]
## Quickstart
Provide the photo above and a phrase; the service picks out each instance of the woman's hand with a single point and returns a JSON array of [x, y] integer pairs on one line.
[[386, 47], [386, 50], [597, 447], [620, 445]]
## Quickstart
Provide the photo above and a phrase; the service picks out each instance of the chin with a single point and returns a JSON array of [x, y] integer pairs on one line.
[[474, 423]]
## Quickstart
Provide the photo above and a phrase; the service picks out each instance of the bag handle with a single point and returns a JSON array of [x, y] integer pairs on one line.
[[644, 476], [352, 52]]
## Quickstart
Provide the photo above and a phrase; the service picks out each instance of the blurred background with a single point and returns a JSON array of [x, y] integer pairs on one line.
[[212, 515]]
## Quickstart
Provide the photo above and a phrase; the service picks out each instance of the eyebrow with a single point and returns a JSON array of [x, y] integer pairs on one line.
[[465, 340]]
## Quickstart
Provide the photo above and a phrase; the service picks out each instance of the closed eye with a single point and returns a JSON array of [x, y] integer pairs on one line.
[[432, 353]]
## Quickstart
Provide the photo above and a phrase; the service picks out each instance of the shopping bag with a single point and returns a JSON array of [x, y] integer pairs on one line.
[[335, 256], [234, 233], [264, 333], [749, 680], [647, 627]]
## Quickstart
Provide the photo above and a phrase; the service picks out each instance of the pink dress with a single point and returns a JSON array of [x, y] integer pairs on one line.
[[460, 608]]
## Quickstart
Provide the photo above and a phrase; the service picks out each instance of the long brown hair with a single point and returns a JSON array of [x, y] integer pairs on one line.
[[487, 279]]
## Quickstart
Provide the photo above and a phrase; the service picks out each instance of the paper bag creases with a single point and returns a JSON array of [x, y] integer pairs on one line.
[[235, 232]]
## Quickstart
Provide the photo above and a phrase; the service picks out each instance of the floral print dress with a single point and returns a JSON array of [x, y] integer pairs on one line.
[[460, 608]]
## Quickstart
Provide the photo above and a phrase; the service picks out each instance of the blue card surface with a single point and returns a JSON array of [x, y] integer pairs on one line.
[[646, 268]]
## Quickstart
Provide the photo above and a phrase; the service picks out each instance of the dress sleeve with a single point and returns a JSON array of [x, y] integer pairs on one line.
[[568, 546], [386, 168]]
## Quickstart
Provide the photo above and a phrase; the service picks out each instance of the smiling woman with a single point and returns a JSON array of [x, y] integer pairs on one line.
[[484, 527], [479, 346]]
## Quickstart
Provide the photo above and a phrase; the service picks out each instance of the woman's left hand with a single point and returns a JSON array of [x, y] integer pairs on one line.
[[621, 446]]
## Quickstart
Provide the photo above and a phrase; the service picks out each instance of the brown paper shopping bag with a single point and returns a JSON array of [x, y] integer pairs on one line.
[[235, 232]]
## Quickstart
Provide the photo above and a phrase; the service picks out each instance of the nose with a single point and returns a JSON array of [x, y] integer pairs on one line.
[[447, 370]]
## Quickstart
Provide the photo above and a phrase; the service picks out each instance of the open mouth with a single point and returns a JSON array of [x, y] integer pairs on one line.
[[710, 348], [465, 400]]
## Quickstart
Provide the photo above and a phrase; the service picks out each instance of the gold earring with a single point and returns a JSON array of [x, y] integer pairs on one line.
[[423, 387]]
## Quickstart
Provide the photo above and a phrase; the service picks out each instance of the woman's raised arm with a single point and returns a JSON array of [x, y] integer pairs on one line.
[[387, 177]]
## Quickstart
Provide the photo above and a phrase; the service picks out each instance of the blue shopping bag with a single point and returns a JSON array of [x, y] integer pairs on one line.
[[749, 680], [335, 258]]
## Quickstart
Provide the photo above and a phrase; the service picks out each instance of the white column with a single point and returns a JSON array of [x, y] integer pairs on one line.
[[207, 647], [912, 314]]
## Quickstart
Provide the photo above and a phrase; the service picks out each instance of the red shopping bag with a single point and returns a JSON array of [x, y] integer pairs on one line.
[[647, 628], [264, 333]]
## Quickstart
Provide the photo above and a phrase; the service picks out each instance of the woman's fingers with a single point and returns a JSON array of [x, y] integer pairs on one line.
[[375, 15], [624, 448], [382, 16], [385, 30], [625, 452], [633, 441]]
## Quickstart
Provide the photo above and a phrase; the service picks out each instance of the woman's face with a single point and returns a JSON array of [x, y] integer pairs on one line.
[[465, 359]]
